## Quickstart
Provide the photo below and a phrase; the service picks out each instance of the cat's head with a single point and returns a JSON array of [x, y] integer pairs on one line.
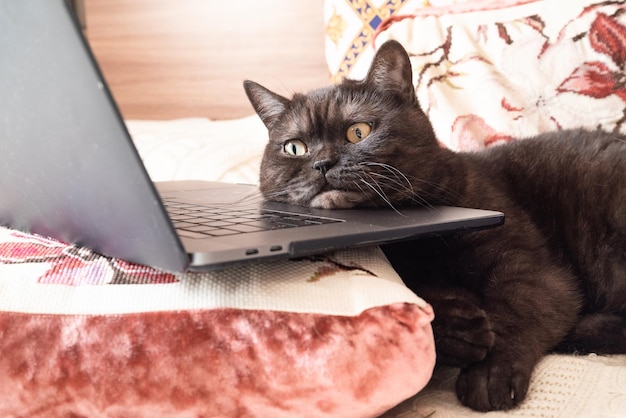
[[348, 144]]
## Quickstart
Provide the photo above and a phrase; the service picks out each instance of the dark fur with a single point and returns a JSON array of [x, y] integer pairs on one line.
[[552, 278]]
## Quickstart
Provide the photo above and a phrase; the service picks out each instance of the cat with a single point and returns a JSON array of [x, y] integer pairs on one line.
[[552, 278]]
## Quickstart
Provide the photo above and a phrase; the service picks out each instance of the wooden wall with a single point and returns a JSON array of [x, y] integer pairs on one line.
[[167, 59]]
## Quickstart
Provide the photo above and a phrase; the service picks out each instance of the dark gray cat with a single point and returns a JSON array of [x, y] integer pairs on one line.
[[552, 278]]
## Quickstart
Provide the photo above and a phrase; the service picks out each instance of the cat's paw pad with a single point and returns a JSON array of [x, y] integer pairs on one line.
[[493, 384], [463, 333]]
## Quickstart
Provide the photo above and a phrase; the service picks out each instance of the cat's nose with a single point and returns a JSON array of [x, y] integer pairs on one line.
[[323, 166]]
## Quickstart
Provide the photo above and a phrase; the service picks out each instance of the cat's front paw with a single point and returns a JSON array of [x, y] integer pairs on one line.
[[496, 383], [336, 199], [463, 333]]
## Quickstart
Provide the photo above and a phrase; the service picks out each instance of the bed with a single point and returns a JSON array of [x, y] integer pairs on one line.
[[337, 335]]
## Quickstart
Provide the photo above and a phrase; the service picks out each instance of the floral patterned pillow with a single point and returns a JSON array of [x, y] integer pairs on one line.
[[488, 72]]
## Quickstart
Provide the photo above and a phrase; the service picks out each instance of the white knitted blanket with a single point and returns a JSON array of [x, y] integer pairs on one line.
[[562, 386]]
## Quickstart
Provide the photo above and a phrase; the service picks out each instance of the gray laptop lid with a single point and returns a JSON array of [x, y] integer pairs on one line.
[[64, 146]]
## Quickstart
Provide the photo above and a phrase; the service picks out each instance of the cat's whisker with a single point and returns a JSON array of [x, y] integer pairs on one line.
[[396, 172], [356, 183], [380, 192], [408, 196], [408, 192], [401, 187], [397, 179], [359, 186], [275, 195], [420, 201], [446, 190], [393, 181], [437, 186], [257, 196], [401, 179], [253, 196]]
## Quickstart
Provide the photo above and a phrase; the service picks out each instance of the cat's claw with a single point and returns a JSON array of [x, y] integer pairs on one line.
[[495, 383]]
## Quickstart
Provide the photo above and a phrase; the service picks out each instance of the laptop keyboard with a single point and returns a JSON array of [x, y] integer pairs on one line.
[[199, 221]]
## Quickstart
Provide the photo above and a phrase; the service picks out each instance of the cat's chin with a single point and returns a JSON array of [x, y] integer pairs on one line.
[[336, 199]]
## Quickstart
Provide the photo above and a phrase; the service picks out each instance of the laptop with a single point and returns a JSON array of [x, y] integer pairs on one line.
[[69, 170]]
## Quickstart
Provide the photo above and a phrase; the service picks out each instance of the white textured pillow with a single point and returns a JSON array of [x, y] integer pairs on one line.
[[200, 149]]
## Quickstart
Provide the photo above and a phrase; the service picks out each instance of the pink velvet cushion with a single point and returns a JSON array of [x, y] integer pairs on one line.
[[85, 335]]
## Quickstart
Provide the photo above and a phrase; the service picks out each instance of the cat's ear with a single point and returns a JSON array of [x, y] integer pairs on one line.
[[391, 70], [267, 104]]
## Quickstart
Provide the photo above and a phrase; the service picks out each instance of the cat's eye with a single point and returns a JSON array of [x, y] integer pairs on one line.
[[358, 132], [295, 147]]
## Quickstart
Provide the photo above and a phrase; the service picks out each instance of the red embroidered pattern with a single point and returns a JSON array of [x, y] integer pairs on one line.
[[72, 265], [597, 79]]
